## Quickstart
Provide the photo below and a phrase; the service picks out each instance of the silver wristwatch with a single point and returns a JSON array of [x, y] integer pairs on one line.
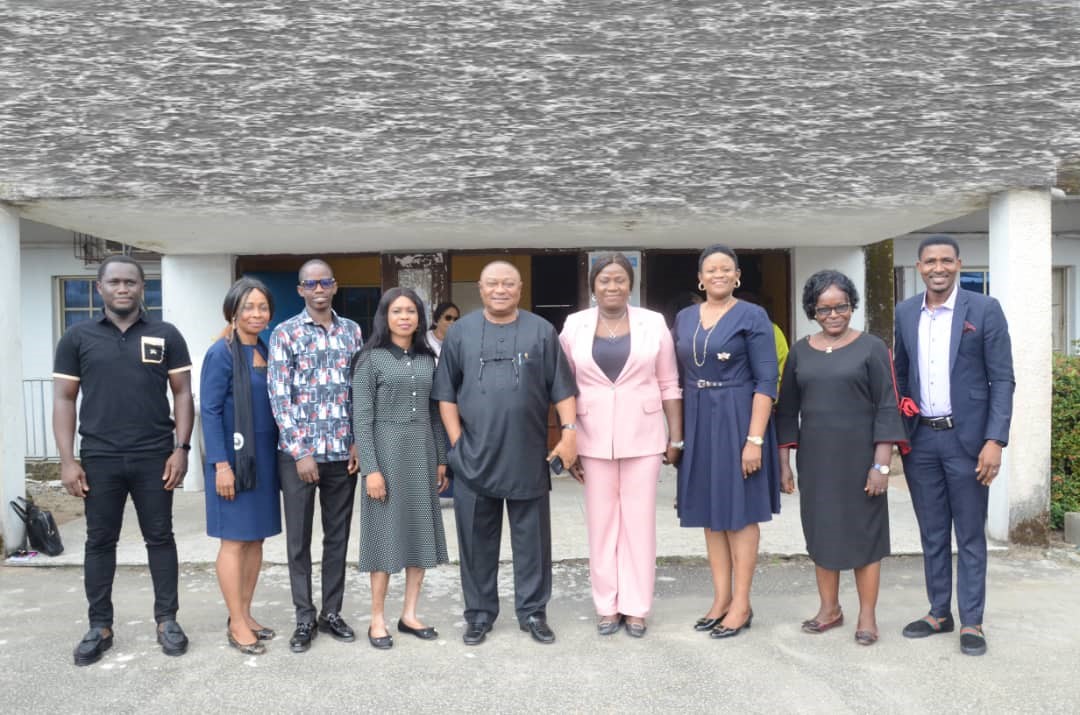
[[882, 469]]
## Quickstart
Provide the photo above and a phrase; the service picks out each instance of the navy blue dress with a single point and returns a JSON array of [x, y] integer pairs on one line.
[[738, 358], [254, 514]]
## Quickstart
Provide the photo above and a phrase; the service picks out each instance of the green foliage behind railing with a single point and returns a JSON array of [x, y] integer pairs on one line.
[[1065, 440]]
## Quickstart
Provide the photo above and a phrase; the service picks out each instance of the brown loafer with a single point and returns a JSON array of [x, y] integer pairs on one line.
[[816, 626]]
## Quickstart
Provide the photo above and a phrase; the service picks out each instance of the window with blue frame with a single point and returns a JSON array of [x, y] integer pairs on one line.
[[79, 299]]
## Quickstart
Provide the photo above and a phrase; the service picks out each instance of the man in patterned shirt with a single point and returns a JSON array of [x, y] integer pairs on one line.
[[308, 380]]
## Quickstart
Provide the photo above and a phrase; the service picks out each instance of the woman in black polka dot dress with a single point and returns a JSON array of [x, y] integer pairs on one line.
[[402, 449]]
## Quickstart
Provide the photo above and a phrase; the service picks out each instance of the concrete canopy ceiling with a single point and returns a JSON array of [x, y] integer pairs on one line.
[[274, 126]]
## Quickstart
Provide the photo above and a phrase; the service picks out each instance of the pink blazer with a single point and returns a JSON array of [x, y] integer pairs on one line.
[[625, 418]]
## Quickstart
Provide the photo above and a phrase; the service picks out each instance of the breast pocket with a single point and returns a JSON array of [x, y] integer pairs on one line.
[[152, 350]]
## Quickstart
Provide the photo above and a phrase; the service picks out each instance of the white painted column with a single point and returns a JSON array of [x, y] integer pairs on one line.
[[12, 427], [808, 260], [192, 291], [1020, 277]]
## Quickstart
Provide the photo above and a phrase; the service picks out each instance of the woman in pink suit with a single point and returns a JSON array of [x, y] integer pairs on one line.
[[624, 361]]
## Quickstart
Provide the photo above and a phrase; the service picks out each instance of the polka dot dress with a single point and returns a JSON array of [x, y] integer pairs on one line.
[[398, 433]]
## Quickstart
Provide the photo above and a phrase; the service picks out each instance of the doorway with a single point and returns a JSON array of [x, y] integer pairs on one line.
[[555, 283]]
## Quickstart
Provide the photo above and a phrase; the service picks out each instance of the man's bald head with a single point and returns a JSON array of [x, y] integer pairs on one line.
[[500, 290]]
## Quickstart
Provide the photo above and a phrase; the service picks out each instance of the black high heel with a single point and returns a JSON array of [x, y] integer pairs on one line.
[[722, 631], [707, 624]]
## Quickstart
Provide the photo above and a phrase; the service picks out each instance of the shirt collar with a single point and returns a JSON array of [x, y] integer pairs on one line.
[[104, 317], [308, 319], [397, 351], [950, 302]]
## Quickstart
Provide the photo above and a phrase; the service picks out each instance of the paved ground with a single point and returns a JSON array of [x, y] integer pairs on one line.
[[1031, 667]]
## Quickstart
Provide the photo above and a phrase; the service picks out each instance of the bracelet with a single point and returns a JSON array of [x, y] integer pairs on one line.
[[677, 445], [754, 439]]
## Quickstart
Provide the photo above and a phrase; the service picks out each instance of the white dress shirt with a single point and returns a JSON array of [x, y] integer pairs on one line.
[[935, 334]]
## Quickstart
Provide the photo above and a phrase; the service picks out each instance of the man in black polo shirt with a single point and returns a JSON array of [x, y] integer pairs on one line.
[[122, 362]]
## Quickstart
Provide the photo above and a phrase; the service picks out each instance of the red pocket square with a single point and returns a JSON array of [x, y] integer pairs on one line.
[[968, 327]]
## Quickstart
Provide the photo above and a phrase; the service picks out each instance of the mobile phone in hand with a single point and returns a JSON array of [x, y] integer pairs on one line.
[[556, 465]]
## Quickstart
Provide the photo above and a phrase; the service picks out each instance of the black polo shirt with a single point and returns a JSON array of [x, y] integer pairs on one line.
[[124, 380]]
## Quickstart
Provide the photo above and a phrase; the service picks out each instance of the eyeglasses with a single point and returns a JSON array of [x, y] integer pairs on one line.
[[824, 311], [449, 318], [326, 283]]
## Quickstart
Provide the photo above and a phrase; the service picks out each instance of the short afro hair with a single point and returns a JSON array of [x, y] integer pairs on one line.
[[820, 282]]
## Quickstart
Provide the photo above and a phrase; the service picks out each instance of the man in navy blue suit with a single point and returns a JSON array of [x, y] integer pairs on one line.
[[954, 361]]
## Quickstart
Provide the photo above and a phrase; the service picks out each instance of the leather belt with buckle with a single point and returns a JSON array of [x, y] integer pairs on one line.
[[938, 423]]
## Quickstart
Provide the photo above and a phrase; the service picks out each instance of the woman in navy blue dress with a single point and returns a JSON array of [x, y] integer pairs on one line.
[[729, 478], [242, 502]]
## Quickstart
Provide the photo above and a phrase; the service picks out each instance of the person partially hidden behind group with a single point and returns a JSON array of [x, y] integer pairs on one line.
[[729, 479], [624, 361], [838, 382], [402, 450], [243, 505], [444, 315]]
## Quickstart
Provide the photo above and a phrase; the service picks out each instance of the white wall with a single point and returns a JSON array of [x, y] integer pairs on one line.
[[805, 261]]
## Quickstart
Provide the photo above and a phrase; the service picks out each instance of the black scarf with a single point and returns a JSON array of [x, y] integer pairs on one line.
[[243, 419]]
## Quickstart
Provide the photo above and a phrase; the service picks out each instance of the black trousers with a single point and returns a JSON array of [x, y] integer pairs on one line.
[[337, 489], [111, 479], [479, 530]]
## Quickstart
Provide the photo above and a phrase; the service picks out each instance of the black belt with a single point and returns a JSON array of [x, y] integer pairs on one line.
[[938, 423]]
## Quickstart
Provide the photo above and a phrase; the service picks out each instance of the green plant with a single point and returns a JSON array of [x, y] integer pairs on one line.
[[1065, 440]]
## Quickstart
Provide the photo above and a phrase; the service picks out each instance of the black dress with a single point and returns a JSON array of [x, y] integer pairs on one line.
[[836, 406]]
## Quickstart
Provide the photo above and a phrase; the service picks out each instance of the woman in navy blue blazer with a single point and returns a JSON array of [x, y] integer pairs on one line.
[[240, 436]]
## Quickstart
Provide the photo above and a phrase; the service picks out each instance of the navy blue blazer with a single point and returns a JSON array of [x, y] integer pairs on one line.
[[981, 380]]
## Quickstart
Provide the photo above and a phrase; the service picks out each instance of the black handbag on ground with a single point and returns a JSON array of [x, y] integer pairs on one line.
[[40, 527]]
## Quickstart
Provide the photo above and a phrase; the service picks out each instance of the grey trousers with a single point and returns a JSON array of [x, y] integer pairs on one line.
[[479, 529], [337, 489]]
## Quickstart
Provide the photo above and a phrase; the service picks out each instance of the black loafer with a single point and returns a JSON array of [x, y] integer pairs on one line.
[[382, 642], [636, 630], [929, 626], [609, 625], [93, 646], [172, 639], [972, 640], [302, 637], [427, 634], [336, 626], [538, 628], [475, 633], [722, 631]]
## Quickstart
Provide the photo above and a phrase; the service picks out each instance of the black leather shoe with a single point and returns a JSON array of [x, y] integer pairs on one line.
[[972, 640], [302, 637], [722, 631], [707, 624], [609, 625], [538, 628], [93, 646], [636, 630], [255, 648], [475, 633], [427, 634], [336, 626], [382, 642], [929, 626], [263, 634], [171, 638]]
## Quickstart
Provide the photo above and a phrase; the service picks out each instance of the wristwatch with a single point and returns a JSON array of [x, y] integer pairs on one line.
[[677, 445], [569, 425], [184, 446], [755, 440], [882, 468]]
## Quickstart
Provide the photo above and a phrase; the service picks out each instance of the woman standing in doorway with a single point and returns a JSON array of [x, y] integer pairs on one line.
[[728, 478], [444, 316], [402, 449], [240, 438]]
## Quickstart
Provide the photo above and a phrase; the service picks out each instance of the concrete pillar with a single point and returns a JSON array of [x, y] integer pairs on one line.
[[879, 297], [12, 427], [807, 260], [1020, 270], [192, 291]]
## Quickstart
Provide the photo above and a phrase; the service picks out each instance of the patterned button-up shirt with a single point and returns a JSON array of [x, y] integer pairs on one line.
[[308, 380]]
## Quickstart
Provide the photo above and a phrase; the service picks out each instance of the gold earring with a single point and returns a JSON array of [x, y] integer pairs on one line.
[[700, 285]]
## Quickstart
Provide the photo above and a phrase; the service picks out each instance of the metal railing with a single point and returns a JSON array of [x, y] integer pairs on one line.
[[37, 413]]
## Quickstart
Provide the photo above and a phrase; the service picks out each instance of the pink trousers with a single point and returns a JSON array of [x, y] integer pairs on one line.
[[620, 510]]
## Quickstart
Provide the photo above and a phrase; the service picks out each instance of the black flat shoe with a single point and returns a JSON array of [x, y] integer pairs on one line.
[[972, 641], [609, 625], [635, 630], [475, 633], [255, 648], [171, 638], [537, 627], [428, 633], [382, 642], [336, 626], [93, 646], [707, 624], [263, 634], [302, 637], [928, 625], [722, 631]]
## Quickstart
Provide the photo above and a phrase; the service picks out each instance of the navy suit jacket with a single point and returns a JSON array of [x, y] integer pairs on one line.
[[981, 380]]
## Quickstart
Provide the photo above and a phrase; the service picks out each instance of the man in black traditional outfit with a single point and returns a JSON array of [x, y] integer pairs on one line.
[[500, 369]]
